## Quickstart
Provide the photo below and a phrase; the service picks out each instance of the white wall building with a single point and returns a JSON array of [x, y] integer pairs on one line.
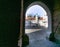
[[44, 22]]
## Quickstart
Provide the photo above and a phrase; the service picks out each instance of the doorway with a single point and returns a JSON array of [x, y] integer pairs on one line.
[[37, 22]]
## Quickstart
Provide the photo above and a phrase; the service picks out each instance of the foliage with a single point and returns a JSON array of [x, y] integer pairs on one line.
[[25, 40], [52, 38]]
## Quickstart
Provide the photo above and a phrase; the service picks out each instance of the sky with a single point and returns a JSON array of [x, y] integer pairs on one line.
[[36, 9]]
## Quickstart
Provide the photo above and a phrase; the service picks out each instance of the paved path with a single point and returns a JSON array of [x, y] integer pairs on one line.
[[43, 43], [39, 39], [31, 30]]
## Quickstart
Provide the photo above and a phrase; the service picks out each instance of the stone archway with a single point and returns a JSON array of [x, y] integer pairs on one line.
[[50, 5], [36, 35], [49, 29]]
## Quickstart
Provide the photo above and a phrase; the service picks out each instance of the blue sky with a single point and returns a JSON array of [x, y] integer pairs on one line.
[[36, 9]]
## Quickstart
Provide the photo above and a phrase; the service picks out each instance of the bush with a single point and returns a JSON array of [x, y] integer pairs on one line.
[[25, 40], [52, 38]]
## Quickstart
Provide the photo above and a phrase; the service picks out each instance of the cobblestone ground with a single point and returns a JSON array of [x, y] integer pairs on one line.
[[43, 43], [39, 39]]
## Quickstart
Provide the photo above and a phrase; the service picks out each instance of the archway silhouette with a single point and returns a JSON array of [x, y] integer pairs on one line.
[[49, 29]]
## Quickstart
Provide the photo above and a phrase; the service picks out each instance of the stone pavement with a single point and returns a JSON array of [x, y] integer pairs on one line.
[[43, 43], [39, 39]]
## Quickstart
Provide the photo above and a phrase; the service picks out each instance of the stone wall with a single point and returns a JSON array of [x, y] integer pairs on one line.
[[56, 19]]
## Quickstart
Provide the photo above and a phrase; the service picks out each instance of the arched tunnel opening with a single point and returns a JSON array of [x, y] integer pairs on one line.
[[37, 22], [36, 18], [38, 26]]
